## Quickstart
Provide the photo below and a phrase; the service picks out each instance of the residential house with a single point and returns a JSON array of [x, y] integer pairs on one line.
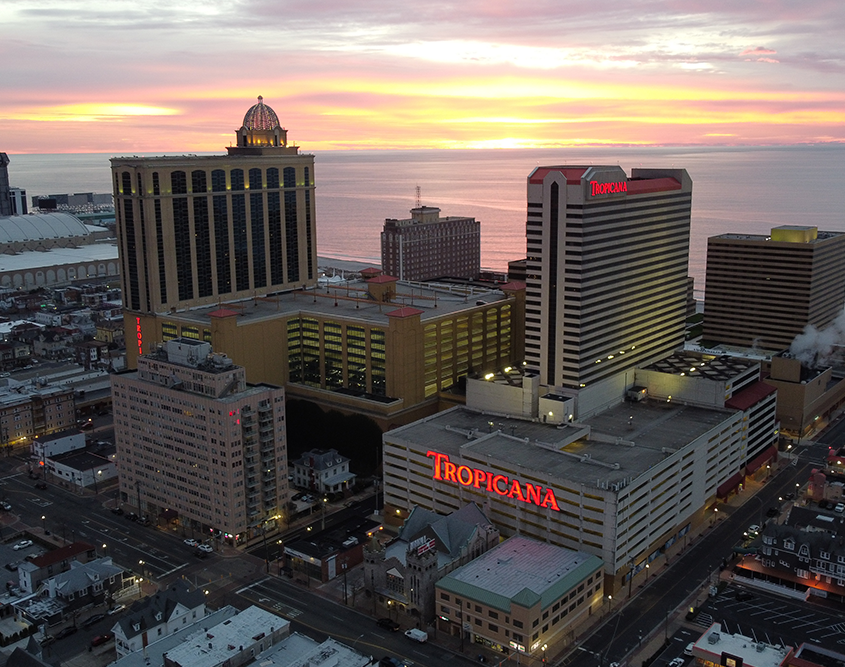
[[158, 616]]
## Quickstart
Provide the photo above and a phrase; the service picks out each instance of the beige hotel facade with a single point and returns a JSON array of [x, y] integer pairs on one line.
[[196, 443]]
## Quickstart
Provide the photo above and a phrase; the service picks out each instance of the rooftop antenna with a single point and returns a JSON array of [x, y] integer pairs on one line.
[[419, 193]]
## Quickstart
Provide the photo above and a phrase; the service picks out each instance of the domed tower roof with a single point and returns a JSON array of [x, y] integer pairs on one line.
[[261, 117]]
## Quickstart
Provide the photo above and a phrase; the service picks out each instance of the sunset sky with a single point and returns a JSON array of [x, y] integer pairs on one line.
[[119, 76]]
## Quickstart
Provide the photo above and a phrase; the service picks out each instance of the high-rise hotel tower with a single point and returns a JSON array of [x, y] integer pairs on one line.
[[196, 230], [606, 272]]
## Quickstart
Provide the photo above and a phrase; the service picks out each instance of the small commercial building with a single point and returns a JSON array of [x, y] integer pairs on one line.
[[54, 444], [716, 648], [234, 642], [520, 596], [83, 469]]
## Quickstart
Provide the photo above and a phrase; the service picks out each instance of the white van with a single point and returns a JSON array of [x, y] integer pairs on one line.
[[417, 635]]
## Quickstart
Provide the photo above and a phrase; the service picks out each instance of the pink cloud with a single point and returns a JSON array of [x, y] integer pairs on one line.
[[758, 51]]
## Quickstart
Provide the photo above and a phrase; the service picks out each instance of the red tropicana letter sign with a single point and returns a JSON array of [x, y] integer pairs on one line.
[[597, 188], [533, 494]]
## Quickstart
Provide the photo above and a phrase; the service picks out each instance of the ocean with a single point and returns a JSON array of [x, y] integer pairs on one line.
[[743, 189]]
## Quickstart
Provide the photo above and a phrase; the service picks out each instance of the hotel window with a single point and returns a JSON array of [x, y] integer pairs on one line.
[[236, 176], [311, 352], [430, 360], [272, 178], [356, 355], [178, 183], [191, 332], [218, 180], [168, 331], [377, 362], [198, 181], [333, 345]]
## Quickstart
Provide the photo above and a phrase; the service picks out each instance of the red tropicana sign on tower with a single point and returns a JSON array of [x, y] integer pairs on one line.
[[597, 188], [533, 494]]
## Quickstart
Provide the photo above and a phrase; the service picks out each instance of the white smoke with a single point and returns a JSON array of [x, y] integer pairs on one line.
[[814, 348]]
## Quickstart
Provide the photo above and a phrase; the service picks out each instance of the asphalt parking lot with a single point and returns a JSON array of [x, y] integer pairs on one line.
[[774, 619]]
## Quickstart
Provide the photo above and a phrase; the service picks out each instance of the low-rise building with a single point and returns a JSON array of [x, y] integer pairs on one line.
[[301, 651], [29, 410], [520, 595], [234, 642], [811, 562], [33, 571], [322, 471], [158, 616], [82, 585], [81, 469], [57, 443], [402, 574], [330, 553], [717, 647]]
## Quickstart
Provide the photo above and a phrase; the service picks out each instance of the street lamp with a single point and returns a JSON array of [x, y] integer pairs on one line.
[[325, 502], [646, 572], [140, 581], [44, 524], [544, 647]]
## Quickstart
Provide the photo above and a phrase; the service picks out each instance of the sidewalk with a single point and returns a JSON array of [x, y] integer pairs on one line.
[[653, 642]]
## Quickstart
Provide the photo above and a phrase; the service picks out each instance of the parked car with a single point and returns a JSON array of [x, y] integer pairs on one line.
[[420, 636], [773, 512], [92, 619], [688, 649], [744, 596], [66, 632], [131, 516], [102, 639], [191, 542], [5, 506], [117, 510], [840, 507], [144, 521], [388, 624], [116, 609], [677, 662], [753, 530], [41, 485], [207, 548], [23, 544]]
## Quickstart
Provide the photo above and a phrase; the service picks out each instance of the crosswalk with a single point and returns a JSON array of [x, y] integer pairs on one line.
[[703, 620]]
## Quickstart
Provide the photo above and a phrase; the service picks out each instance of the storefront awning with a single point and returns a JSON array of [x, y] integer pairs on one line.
[[760, 460], [732, 483]]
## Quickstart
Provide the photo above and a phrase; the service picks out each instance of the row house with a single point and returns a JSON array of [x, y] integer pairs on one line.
[[809, 561]]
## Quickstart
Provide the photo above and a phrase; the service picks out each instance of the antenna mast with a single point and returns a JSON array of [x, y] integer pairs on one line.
[[419, 197]]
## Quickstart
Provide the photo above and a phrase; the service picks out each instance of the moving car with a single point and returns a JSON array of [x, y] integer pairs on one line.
[[207, 548], [191, 542], [753, 530], [417, 635], [116, 609], [388, 624], [66, 632], [676, 662], [23, 544]]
